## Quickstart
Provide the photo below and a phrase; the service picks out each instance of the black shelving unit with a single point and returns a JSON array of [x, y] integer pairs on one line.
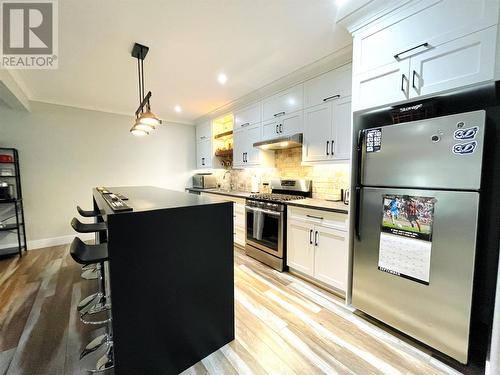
[[12, 210]]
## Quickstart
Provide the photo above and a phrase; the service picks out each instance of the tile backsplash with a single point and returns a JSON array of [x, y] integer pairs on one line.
[[327, 180]]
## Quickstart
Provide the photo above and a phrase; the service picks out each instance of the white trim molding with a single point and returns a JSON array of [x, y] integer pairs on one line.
[[54, 241]]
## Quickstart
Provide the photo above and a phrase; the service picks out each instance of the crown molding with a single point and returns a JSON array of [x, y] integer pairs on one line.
[[356, 14], [12, 92], [336, 59]]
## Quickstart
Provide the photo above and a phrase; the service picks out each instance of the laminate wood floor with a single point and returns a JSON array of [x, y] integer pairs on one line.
[[283, 325]]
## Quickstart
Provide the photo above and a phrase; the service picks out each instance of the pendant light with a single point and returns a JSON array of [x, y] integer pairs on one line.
[[145, 119]]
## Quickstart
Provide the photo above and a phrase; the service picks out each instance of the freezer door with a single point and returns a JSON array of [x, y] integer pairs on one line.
[[442, 153], [437, 314]]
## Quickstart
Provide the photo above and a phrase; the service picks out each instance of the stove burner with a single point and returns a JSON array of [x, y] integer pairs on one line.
[[276, 197]]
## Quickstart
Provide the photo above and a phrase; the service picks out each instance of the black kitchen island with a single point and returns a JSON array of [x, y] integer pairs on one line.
[[171, 278]]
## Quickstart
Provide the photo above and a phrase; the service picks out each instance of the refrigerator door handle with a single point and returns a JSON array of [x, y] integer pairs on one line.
[[357, 217]]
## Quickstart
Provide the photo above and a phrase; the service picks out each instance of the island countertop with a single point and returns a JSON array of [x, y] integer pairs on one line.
[[148, 198]]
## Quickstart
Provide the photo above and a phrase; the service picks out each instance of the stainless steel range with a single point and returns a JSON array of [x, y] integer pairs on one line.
[[266, 221]]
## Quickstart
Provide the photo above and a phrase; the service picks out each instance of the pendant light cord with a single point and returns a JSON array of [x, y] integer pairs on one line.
[[142, 72], [140, 84]]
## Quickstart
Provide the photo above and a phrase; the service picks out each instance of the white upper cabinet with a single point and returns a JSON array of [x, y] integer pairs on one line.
[[204, 155], [461, 62], [329, 86], [387, 84], [406, 31], [281, 126], [244, 154], [423, 48], [204, 131], [342, 125], [327, 131], [318, 132], [283, 103], [248, 116]]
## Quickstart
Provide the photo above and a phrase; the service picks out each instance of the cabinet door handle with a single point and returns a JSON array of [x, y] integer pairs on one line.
[[281, 128], [403, 77], [331, 97], [396, 56], [333, 147], [316, 238], [327, 147], [202, 161], [277, 128], [311, 237], [279, 114], [413, 79], [315, 217], [245, 124]]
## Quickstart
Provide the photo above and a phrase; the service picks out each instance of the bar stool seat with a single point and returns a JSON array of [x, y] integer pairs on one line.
[[87, 228], [86, 254], [86, 213]]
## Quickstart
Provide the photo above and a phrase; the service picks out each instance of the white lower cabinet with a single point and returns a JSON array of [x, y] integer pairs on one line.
[[330, 258], [317, 245], [300, 249]]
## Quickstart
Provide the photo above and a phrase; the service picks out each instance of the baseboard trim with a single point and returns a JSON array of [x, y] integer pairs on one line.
[[53, 241]]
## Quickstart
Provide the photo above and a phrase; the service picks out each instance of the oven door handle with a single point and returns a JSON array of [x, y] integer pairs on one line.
[[269, 212]]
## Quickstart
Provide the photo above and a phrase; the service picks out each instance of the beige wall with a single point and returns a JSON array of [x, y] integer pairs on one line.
[[66, 151]]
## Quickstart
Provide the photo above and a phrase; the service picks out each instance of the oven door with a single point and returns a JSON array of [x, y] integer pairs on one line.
[[265, 230]]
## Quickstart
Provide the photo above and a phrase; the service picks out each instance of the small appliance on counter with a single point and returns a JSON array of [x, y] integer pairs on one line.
[[346, 195], [5, 191], [204, 181]]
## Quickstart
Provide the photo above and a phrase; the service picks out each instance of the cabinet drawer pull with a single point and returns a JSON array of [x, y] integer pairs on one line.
[[397, 55], [316, 238], [403, 77], [333, 147], [331, 97], [327, 147], [311, 237], [279, 114], [315, 217]]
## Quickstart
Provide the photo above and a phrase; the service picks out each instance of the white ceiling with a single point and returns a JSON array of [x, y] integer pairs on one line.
[[253, 41]]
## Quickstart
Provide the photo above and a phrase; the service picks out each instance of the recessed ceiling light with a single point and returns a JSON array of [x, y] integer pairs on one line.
[[178, 109], [222, 78]]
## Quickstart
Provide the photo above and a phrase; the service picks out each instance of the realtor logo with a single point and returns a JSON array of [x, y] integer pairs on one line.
[[29, 34]]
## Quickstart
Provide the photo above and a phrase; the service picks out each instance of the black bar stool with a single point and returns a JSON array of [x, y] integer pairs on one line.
[[90, 271], [86, 213], [83, 253], [80, 227]]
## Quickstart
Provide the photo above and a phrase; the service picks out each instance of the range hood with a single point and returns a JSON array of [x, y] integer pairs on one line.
[[290, 141]]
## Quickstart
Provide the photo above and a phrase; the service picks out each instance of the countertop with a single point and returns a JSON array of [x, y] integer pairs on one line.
[[317, 204], [148, 198], [320, 204], [232, 193]]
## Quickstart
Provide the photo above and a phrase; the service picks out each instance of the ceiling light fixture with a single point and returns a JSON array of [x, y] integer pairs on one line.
[[222, 78], [145, 119], [178, 109]]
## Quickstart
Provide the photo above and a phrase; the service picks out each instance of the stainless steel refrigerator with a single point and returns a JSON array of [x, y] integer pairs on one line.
[[416, 225]]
